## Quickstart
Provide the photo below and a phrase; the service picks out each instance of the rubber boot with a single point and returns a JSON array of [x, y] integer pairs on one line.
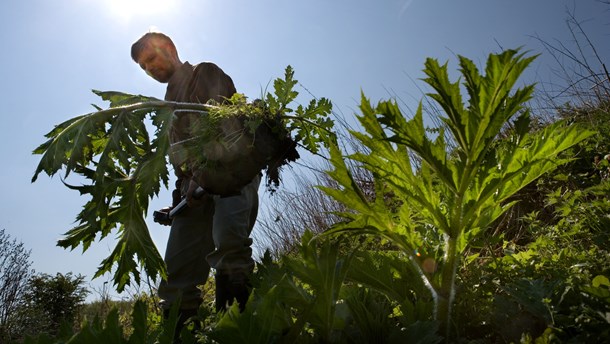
[[231, 288], [223, 293], [241, 291]]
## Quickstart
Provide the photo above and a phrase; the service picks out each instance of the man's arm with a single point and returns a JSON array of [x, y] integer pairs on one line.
[[211, 82]]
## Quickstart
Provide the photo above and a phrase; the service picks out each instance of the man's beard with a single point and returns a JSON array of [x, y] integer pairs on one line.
[[160, 75]]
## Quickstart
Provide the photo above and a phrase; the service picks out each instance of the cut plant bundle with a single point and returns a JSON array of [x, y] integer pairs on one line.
[[233, 143], [113, 150]]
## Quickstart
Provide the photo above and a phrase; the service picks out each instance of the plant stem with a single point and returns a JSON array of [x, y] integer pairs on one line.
[[447, 290], [156, 104]]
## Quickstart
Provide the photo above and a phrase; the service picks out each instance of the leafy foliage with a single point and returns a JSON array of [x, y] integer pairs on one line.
[[125, 166], [238, 138], [308, 285], [437, 269], [310, 124], [53, 302], [454, 195], [550, 284], [113, 150], [111, 330], [320, 296], [15, 272]]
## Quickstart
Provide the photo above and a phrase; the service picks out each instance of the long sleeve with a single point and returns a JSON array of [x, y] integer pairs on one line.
[[210, 82]]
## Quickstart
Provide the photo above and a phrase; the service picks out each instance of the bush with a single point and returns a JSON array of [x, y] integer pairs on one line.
[[52, 301]]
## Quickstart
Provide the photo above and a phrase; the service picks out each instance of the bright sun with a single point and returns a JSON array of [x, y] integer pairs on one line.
[[127, 9]]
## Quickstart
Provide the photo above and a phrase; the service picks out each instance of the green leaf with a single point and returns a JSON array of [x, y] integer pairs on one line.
[[322, 269], [600, 280], [139, 324], [284, 89], [112, 149]]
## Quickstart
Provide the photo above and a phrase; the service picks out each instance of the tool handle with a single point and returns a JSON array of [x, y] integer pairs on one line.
[[197, 194]]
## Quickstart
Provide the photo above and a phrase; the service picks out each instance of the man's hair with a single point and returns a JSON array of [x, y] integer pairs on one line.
[[140, 44]]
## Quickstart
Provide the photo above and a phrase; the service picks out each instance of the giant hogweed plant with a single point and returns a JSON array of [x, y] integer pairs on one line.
[[124, 165], [434, 197]]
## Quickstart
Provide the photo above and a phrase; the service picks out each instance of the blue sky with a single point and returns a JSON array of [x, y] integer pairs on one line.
[[55, 52]]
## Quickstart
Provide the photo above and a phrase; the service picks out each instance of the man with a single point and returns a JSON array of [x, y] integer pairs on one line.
[[215, 230]]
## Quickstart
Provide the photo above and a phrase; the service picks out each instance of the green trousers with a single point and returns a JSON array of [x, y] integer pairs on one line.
[[215, 234]]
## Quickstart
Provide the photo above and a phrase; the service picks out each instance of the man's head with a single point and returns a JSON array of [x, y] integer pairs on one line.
[[157, 55]]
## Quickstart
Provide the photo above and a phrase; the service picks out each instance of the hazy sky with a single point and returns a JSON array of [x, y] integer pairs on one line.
[[55, 52]]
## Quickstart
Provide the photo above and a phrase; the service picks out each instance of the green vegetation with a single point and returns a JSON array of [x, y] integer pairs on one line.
[[44, 307], [492, 227], [52, 302], [488, 229], [455, 194]]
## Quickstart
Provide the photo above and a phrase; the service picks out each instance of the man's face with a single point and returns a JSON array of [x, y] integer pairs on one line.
[[157, 62]]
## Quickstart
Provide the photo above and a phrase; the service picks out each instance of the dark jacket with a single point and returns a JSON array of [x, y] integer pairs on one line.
[[193, 84]]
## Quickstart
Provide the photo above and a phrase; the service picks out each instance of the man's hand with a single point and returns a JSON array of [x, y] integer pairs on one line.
[[163, 220], [190, 198]]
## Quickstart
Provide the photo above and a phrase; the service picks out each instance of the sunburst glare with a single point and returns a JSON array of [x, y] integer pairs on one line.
[[127, 9]]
